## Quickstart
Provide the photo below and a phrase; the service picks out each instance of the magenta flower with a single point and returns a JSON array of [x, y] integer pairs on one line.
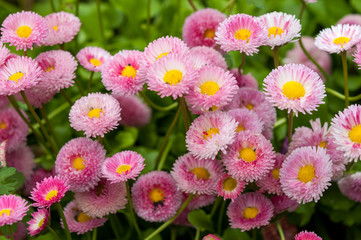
[[93, 58], [12, 209], [38, 221]]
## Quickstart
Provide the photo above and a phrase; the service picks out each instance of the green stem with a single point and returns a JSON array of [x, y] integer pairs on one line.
[[173, 234], [132, 211], [184, 108], [50, 127], [302, 10], [280, 122], [148, 20], [192, 5], [77, 83], [63, 93], [198, 234], [90, 81], [220, 218], [10, 232], [53, 232], [355, 98], [77, 8], [231, 8], [335, 93], [95, 231], [242, 63], [164, 144], [167, 223], [66, 228], [52, 5], [157, 107], [114, 224], [290, 126], [345, 77], [215, 206], [280, 231], [276, 60], [100, 22], [165, 154], [228, 4]]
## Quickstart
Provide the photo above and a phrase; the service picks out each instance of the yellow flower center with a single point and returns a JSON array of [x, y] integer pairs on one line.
[[276, 173], [240, 128], [95, 62], [274, 31], [41, 223], [78, 163], [16, 76], [341, 41], [243, 34], [306, 173], [247, 154], [129, 71], [5, 211], [123, 168], [95, 113], [51, 68], [3, 125], [210, 132], [156, 195], [201, 173], [249, 106], [293, 90], [250, 213], [55, 28], [229, 184], [50, 195], [23, 31], [162, 55], [323, 144], [355, 134], [173, 77], [210, 88], [83, 218], [209, 33]]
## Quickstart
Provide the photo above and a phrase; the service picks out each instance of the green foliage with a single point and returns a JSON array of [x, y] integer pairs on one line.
[[10, 180], [201, 220], [235, 234]]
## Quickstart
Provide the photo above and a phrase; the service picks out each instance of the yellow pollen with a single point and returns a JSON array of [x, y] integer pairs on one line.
[[162, 55], [41, 223], [3, 125], [293, 90], [23, 31], [210, 132], [250, 212], [247, 154], [209, 33], [306, 173], [95, 113], [55, 28], [50, 195], [83, 218], [5, 211], [210, 88], [95, 62], [129, 71], [214, 108], [229, 184], [341, 41], [78, 163], [323, 144], [276, 173], [240, 128], [355, 134], [274, 31], [16, 76], [123, 168], [49, 69], [156, 195], [173, 77], [249, 106], [201, 173], [243, 34]]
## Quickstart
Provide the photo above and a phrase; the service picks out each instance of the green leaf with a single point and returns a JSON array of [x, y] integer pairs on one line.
[[235, 234], [125, 139], [6, 172], [201, 220], [333, 198]]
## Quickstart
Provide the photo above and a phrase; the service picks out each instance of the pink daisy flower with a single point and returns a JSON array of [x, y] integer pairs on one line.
[[230, 187], [123, 166], [350, 19], [282, 203], [78, 221], [50, 190], [211, 237], [339, 38], [250, 157], [18, 74], [37, 176], [199, 200], [135, 113], [310, 1], [350, 186], [22, 159], [12, 129], [282, 28], [304, 235], [12, 209], [172, 75], [271, 181], [155, 196], [4, 53], [23, 29], [241, 32], [197, 176], [93, 58], [63, 26], [121, 73], [210, 56], [210, 133], [214, 87], [106, 198], [306, 174], [357, 56], [247, 120], [38, 221], [244, 80], [199, 28], [95, 114], [346, 130], [294, 87], [79, 162], [250, 210]]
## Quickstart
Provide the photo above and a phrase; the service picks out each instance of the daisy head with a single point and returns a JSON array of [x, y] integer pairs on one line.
[[304, 235], [350, 19], [250, 210], [23, 29], [4, 53], [306, 174], [350, 186], [247, 120], [241, 32], [339, 38], [12, 209], [244, 80], [197, 176], [294, 87], [50, 190], [209, 55], [210, 133], [229, 187], [38, 221], [211, 237], [357, 56], [283, 203], [95, 114], [93, 58], [199, 28], [155, 196]]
